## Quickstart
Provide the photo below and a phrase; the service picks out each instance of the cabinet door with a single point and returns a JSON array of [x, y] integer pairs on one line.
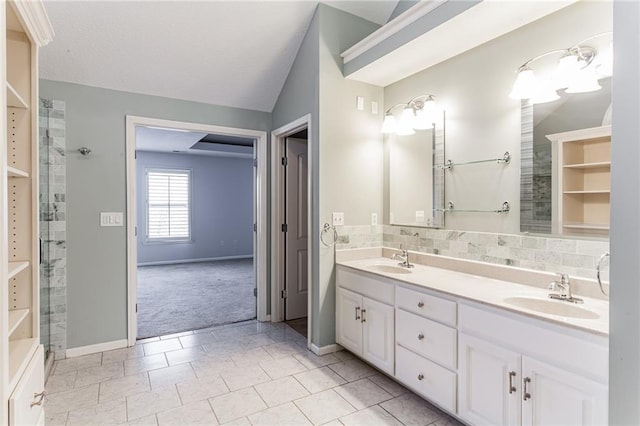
[[489, 383], [557, 397], [348, 320], [378, 334]]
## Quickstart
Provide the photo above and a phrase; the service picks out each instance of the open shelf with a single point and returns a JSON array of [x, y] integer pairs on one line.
[[597, 165], [16, 316], [14, 100], [20, 353], [591, 191], [597, 226], [15, 268], [13, 172]]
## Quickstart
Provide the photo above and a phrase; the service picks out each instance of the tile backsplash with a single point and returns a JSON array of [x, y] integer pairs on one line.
[[575, 257]]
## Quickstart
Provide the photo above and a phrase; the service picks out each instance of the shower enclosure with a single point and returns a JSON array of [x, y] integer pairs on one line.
[[52, 189]]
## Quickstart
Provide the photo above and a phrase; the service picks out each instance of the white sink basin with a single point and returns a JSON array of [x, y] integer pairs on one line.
[[552, 307], [389, 269]]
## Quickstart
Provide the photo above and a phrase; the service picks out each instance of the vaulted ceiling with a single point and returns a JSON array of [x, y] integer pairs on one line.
[[232, 53]]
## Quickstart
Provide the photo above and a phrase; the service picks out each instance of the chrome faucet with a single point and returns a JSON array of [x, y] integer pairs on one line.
[[404, 256], [564, 286]]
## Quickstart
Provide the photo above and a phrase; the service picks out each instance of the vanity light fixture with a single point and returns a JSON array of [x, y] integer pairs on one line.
[[417, 114], [578, 71]]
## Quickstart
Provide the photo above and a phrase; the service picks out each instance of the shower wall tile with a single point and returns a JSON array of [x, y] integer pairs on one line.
[[53, 271]]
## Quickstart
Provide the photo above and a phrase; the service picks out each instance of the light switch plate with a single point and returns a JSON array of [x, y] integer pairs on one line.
[[359, 103], [419, 216], [111, 219], [374, 218], [374, 107], [338, 218]]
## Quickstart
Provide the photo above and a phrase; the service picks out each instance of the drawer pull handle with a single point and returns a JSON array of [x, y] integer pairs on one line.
[[512, 388], [357, 316], [40, 400], [363, 318], [420, 336], [527, 395], [420, 304], [420, 376]]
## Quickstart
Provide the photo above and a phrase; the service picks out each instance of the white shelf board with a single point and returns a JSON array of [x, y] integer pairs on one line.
[[595, 191], [20, 353], [15, 268], [598, 165], [14, 99], [586, 226], [16, 316], [13, 172]]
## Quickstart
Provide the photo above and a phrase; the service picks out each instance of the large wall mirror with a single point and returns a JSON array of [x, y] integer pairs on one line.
[[416, 187]]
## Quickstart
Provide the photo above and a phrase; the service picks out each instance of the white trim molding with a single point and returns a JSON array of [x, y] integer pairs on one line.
[[206, 259], [324, 350], [97, 348], [35, 20], [261, 189]]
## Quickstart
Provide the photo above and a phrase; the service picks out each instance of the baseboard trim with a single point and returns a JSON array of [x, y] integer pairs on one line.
[[98, 347], [324, 350], [205, 259]]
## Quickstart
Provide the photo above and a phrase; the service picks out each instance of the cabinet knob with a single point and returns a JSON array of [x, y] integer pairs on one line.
[[420, 304], [420, 376], [420, 336]]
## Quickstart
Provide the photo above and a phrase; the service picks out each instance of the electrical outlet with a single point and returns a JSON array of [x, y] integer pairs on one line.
[[374, 107], [419, 216], [374, 218], [359, 103], [338, 218]]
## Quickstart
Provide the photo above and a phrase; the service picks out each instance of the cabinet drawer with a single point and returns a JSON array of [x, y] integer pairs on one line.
[[425, 305], [370, 285], [426, 378], [27, 392], [428, 338]]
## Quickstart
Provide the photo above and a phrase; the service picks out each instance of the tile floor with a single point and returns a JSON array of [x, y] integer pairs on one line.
[[246, 374]]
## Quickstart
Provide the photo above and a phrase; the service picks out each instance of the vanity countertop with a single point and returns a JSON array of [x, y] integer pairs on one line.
[[489, 291]]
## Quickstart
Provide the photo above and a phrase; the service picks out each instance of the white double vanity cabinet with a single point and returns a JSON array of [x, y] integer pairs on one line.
[[461, 342]]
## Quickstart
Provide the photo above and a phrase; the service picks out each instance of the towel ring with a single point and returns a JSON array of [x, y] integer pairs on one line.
[[325, 230], [598, 272]]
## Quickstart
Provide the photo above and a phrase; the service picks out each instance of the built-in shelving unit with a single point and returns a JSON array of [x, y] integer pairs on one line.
[[26, 29], [583, 167]]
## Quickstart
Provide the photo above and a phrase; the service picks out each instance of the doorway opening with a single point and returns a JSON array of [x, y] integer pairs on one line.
[[291, 225], [195, 208]]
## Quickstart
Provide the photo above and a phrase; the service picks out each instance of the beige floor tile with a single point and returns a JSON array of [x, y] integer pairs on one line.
[[138, 365], [282, 367], [161, 346], [363, 393], [283, 415], [447, 421], [196, 413], [212, 366], [55, 419], [61, 382], [171, 336], [370, 416], [77, 363], [223, 348], [344, 355], [171, 375], [412, 410], [391, 386], [280, 391], [124, 386], [147, 340], [123, 354], [91, 375], [283, 349], [256, 340], [242, 421], [319, 379], [75, 399], [112, 412], [352, 370], [241, 377], [147, 403], [197, 339], [324, 406], [311, 360], [250, 356], [143, 421], [204, 388], [185, 355], [237, 404]]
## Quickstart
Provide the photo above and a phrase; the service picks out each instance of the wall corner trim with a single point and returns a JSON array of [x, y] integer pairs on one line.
[[98, 347], [324, 350]]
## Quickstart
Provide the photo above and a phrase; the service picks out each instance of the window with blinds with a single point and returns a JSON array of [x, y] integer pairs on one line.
[[168, 204]]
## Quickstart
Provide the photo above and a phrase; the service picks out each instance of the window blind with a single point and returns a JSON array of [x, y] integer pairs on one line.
[[168, 204]]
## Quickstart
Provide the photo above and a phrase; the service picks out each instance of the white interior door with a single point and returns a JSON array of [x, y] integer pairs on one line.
[[296, 214]]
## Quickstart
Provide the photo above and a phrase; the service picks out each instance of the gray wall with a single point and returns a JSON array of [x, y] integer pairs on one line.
[[482, 121], [624, 338], [97, 285], [222, 207]]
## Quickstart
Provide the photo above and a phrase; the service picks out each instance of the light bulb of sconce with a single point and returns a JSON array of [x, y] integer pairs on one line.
[[406, 122], [604, 63], [426, 116], [546, 92], [565, 72], [584, 81], [389, 124], [525, 85]]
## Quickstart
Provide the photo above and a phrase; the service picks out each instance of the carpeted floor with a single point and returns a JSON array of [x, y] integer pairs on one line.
[[191, 296]]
